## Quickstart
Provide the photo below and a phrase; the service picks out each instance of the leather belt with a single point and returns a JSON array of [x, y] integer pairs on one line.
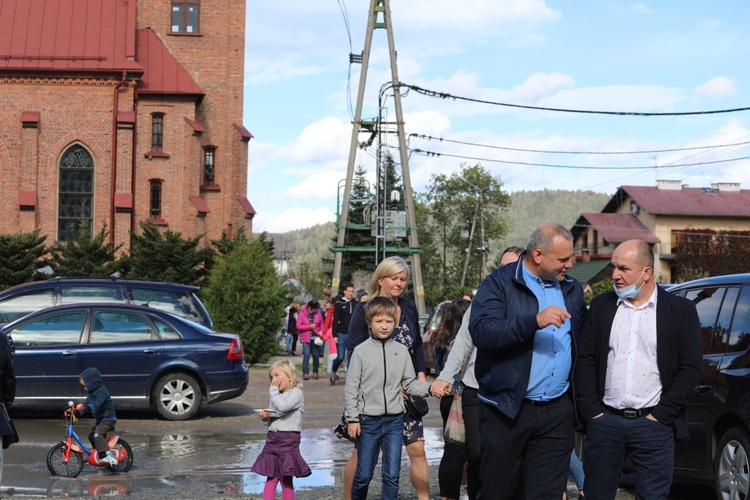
[[540, 402], [630, 412]]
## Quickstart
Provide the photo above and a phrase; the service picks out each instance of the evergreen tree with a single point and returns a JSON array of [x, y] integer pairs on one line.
[[244, 296], [20, 257], [88, 256], [167, 256], [225, 244]]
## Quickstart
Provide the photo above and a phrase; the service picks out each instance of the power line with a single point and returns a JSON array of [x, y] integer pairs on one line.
[[582, 167], [505, 148], [446, 95]]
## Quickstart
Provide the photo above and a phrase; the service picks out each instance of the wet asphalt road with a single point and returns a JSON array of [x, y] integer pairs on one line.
[[211, 456]]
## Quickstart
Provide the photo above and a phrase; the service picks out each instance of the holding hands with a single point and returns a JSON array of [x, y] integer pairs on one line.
[[439, 388]]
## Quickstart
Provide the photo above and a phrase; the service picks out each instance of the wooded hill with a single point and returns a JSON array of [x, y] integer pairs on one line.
[[306, 248]]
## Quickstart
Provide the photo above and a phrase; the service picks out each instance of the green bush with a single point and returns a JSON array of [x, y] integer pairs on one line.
[[244, 297]]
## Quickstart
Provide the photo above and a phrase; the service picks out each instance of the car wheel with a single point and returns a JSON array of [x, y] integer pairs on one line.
[[177, 396], [731, 466]]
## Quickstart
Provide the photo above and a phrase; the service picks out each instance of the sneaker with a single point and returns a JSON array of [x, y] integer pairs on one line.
[[332, 378], [315, 375], [305, 376], [109, 459], [336, 375]]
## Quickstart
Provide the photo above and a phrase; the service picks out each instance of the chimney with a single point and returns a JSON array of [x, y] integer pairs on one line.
[[725, 186], [667, 184]]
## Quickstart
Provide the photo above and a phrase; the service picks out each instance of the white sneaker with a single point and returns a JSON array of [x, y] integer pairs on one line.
[[110, 459]]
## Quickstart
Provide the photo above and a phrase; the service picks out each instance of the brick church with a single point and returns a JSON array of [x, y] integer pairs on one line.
[[121, 111]]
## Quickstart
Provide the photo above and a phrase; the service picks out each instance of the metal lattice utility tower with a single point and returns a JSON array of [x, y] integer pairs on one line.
[[380, 18]]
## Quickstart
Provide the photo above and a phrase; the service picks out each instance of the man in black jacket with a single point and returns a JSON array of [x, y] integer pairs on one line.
[[7, 383], [342, 315], [639, 357]]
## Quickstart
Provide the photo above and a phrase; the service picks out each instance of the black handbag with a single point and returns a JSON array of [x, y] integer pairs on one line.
[[416, 406], [7, 428]]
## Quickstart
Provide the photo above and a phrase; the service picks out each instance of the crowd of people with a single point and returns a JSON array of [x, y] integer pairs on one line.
[[532, 366]]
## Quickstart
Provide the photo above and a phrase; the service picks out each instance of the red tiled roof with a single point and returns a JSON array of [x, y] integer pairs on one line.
[[200, 204], [246, 206], [68, 35], [696, 202], [246, 135], [164, 74], [197, 127], [616, 228]]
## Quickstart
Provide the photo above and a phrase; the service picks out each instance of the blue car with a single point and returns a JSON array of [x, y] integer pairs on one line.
[[147, 357]]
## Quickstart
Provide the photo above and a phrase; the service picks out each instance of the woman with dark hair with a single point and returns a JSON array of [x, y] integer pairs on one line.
[[389, 281], [310, 325], [451, 468]]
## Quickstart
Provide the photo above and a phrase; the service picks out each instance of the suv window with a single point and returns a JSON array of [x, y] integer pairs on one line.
[[87, 294], [53, 330], [739, 339], [23, 303], [715, 319], [164, 300]]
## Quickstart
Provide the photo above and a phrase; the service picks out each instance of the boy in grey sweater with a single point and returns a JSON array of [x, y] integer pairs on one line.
[[379, 368]]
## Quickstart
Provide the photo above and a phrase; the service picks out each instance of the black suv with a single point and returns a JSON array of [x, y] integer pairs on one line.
[[181, 300], [718, 450]]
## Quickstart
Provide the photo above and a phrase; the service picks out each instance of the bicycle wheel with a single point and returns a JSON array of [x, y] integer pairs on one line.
[[121, 447], [59, 467]]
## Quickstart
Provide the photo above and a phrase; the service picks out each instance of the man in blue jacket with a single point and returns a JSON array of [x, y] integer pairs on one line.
[[524, 323]]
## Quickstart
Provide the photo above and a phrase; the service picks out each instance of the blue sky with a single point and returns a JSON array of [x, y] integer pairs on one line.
[[661, 57]]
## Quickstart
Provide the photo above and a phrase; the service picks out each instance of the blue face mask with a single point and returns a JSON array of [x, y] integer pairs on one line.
[[630, 291]]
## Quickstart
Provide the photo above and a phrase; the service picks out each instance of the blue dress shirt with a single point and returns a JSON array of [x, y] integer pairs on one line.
[[552, 357]]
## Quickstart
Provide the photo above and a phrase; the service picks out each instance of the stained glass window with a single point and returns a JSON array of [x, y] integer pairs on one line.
[[76, 192]]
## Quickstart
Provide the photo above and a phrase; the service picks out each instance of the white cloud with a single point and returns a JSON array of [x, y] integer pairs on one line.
[[541, 85], [322, 141], [291, 218], [717, 88]]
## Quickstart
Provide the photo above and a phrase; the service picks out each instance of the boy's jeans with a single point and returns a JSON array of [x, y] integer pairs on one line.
[[376, 433]]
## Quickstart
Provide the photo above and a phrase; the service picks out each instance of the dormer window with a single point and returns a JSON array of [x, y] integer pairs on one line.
[[185, 16]]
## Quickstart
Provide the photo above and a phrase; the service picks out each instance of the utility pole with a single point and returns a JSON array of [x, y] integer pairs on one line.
[[379, 17]]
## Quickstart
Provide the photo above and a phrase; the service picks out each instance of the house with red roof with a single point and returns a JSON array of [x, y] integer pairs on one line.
[[660, 215], [116, 112]]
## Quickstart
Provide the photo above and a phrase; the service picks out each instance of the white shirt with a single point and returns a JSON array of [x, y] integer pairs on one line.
[[633, 379]]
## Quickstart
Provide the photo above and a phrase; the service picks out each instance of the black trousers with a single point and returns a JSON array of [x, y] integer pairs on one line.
[[98, 436], [534, 447]]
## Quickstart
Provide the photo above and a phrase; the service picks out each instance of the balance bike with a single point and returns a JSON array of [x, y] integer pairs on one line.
[[66, 458]]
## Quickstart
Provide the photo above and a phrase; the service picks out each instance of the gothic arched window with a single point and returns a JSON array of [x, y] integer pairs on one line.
[[76, 192]]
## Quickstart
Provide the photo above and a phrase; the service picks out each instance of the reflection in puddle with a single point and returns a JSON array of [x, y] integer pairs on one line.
[[326, 454], [220, 462], [64, 487]]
